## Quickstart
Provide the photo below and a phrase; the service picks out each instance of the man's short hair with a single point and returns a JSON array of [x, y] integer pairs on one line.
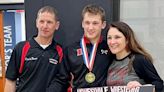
[[95, 10], [48, 9]]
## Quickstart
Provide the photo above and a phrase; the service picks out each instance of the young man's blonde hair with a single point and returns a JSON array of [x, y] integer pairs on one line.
[[95, 10]]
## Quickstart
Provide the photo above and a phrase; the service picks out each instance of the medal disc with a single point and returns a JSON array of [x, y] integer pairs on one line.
[[90, 77]]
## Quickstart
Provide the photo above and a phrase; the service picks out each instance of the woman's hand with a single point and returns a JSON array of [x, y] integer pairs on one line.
[[133, 84]]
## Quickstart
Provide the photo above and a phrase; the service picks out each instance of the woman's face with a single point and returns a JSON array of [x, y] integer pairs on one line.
[[116, 41]]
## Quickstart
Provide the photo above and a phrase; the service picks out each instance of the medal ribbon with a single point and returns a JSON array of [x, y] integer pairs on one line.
[[88, 61]]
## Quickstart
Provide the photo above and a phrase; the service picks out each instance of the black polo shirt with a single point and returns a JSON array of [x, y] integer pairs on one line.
[[74, 63], [39, 68]]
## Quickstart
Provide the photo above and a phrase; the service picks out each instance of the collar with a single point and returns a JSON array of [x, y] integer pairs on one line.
[[34, 44], [87, 41]]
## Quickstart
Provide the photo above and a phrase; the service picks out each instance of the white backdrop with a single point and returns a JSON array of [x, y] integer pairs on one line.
[[146, 17]]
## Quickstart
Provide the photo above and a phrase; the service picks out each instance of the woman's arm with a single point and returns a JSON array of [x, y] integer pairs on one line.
[[146, 71]]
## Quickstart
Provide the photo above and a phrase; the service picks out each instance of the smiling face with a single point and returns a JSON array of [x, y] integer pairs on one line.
[[46, 24], [117, 42], [92, 25]]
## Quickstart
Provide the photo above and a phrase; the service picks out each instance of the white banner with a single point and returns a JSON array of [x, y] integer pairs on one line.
[[11, 1], [144, 88]]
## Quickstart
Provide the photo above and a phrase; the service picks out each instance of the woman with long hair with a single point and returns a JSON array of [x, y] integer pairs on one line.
[[132, 65]]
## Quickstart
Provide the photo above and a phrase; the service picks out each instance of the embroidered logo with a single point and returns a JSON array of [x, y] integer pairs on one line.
[[104, 51], [79, 52], [53, 61], [30, 59]]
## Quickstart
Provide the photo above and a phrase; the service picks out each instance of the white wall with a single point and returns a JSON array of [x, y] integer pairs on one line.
[[146, 17]]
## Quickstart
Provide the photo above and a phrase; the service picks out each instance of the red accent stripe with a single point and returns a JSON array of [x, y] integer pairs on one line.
[[24, 52], [60, 52]]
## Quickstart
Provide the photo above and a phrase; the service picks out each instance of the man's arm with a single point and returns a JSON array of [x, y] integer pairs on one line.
[[10, 86]]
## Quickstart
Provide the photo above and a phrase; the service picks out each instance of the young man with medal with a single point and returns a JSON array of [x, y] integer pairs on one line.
[[87, 61]]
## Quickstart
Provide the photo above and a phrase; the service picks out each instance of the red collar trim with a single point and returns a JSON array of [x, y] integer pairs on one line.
[[87, 41]]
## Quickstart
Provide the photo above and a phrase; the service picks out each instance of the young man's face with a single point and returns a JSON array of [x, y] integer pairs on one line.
[[92, 25], [46, 25]]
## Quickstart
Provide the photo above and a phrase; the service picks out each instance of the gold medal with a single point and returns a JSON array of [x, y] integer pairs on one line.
[[90, 77]]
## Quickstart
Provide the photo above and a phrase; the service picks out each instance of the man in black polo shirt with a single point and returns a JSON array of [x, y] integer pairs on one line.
[[41, 60], [87, 61]]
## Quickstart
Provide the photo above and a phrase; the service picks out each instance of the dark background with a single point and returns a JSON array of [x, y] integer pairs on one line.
[[69, 13]]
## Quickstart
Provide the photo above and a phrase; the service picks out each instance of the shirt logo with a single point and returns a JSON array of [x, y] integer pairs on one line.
[[30, 59], [53, 61], [79, 52], [104, 51]]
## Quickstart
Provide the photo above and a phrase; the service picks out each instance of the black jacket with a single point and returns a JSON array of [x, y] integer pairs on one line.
[[74, 65], [146, 71], [41, 65]]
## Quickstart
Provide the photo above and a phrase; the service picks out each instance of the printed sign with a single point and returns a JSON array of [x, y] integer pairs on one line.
[[9, 34], [144, 88]]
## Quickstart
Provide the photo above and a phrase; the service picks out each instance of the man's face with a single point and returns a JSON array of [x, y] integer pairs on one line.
[[46, 25], [92, 25]]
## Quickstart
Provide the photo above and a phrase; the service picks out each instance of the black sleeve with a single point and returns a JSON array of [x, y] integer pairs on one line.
[[146, 71], [12, 71], [61, 82]]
